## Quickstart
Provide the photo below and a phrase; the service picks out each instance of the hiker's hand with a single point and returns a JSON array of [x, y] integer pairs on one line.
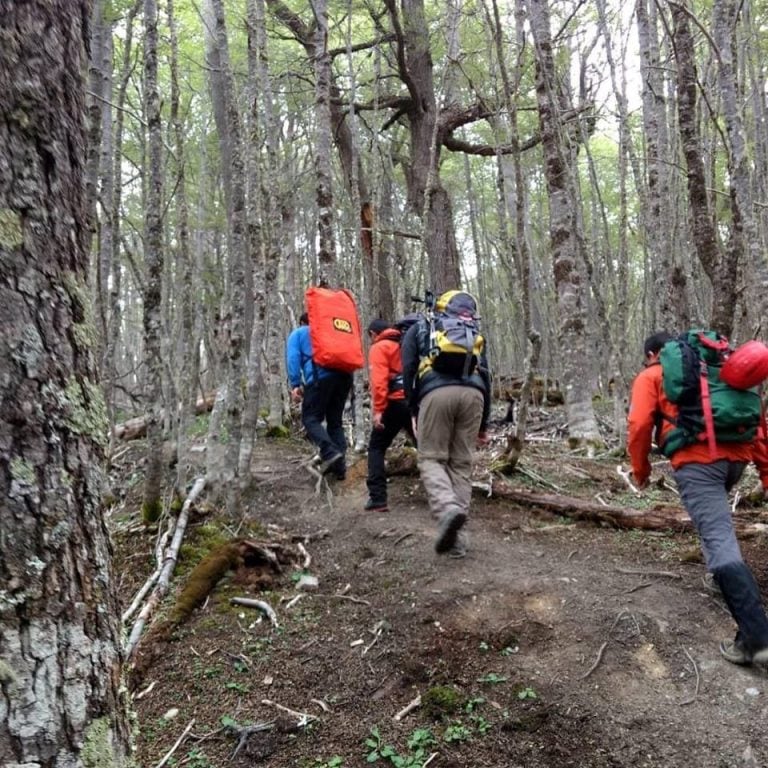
[[296, 394], [482, 438], [414, 426], [378, 421]]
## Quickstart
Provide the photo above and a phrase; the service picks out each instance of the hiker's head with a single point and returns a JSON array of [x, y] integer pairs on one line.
[[377, 326], [303, 319], [653, 344]]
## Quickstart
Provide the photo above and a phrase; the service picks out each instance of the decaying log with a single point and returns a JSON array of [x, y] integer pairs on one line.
[[662, 517], [133, 429], [402, 462]]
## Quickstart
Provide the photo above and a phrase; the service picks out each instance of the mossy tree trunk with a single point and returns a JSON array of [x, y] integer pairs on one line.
[[59, 634]]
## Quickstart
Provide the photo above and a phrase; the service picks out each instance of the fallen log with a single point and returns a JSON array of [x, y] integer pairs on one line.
[[133, 429], [662, 517]]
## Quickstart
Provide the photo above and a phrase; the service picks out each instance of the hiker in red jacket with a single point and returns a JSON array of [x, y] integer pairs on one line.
[[704, 479], [389, 412]]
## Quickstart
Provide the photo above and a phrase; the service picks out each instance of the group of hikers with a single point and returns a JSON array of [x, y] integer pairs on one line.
[[429, 378], [696, 401]]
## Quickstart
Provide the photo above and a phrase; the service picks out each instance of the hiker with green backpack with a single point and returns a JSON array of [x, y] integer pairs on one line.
[[701, 403]]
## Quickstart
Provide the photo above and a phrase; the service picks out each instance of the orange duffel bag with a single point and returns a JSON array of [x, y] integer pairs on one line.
[[334, 329]]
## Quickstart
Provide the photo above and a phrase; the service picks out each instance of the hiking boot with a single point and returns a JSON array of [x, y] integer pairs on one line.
[[376, 506], [733, 651], [459, 549], [450, 525], [325, 466], [736, 653]]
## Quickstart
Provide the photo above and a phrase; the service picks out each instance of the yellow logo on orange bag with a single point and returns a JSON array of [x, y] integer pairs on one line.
[[340, 324]]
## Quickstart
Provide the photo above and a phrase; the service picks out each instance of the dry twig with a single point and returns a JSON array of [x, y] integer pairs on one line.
[[691, 699], [409, 707], [178, 743], [303, 717], [248, 602]]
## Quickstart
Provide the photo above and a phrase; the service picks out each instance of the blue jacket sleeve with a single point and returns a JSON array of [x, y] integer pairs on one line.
[[293, 358]]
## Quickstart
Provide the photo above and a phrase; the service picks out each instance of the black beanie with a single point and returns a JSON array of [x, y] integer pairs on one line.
[[378, 325]]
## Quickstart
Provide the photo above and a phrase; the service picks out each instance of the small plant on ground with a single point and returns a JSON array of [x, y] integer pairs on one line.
[[492, 679], [457, 732], [419, 743], [332, 762], [196, 758], [527, 693]]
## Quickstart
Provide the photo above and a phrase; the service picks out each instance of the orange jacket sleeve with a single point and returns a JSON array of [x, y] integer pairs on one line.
[[378, 368], [641, 421], [760, 456]]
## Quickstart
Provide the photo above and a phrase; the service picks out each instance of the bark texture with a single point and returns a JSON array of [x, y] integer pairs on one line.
[[153, 261], [59, 638], [559, 161], [719, 268]]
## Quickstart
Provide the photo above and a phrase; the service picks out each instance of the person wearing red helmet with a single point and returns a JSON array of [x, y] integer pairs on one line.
[[704, 478]]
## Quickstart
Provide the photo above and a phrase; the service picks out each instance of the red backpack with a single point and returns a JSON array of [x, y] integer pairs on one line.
[[334, 329]]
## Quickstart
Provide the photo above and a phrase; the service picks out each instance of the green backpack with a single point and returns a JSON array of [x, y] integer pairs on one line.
[[709, 409]]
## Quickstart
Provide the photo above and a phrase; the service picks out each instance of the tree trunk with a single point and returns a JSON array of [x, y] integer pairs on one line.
[[559, 159], [718, 268], [59, 634], [187, 348], [744, 225], [238, 258], [669, 291], [153, 282], [323, 143]]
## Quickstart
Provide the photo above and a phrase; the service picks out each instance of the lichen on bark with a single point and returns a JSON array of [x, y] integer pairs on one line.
[[11, 235]]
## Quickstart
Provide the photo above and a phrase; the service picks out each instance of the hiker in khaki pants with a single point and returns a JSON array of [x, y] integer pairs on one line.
[[448, 389]]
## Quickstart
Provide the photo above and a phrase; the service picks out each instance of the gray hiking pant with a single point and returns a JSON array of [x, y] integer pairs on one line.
[[704, 492], [449, 420]]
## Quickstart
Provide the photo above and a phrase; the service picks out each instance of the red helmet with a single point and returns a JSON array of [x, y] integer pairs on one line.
[[746, 366]]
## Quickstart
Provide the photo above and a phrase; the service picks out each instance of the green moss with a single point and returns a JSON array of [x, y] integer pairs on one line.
[[278, 431], [176, 504], [151, 511], [201, 581], [200, 542], [11, 235], [97, 747], [441, 700], [22, 471]]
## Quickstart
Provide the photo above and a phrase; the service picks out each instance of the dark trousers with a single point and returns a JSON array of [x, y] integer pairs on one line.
[[324, 401], [397, 416]]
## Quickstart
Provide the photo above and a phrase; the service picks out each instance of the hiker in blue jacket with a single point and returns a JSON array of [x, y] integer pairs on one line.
[[323, 394]]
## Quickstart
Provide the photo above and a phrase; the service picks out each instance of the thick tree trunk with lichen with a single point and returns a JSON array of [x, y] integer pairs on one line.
[[559, 166], [59, 637]]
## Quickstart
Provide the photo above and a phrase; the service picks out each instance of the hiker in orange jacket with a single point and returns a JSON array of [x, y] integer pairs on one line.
[[704, 480], [389, 412]]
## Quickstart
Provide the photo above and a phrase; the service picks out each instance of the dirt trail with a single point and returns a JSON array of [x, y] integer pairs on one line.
[[563, 644]]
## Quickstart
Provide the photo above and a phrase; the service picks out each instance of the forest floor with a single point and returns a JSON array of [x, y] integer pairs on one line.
[[552, 643]]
